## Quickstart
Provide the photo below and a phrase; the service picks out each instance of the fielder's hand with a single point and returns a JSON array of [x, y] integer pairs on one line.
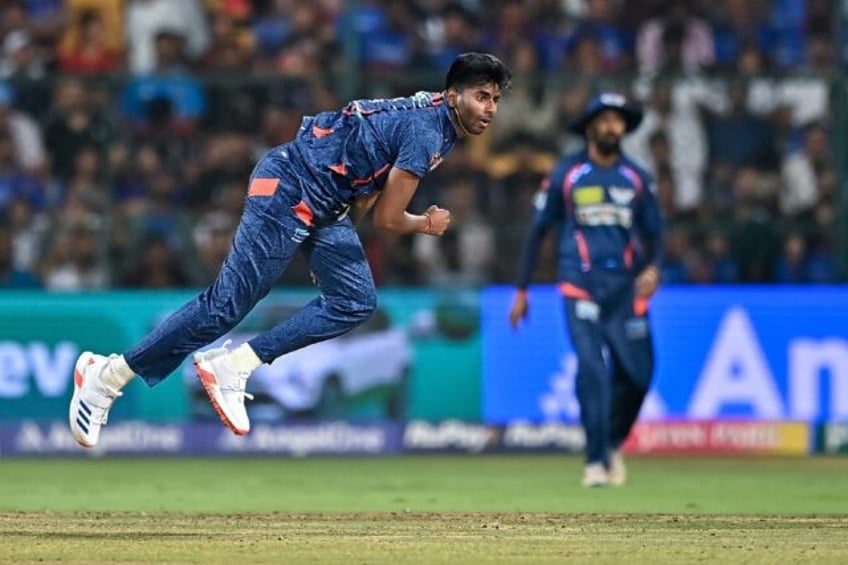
[[437, 220], [647, 282], [519, 308]]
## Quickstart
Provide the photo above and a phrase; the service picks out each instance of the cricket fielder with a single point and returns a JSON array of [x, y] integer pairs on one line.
[[610, 246]]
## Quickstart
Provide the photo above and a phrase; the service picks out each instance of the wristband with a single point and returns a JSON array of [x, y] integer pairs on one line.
[[429, 223]]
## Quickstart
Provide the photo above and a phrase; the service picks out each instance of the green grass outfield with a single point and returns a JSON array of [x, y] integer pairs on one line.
[[433, 509]]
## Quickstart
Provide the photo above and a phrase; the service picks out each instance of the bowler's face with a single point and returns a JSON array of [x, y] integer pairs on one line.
[[477, 106]]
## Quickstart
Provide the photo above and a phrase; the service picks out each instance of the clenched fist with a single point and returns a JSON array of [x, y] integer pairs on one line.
[[438, 220]]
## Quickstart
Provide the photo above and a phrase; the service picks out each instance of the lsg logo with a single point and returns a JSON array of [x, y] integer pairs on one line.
[[47, 368]]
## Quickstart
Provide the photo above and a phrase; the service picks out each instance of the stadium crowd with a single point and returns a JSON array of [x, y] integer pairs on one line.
[[128, 128]]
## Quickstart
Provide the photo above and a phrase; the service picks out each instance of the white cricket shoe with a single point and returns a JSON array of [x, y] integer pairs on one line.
[[92, 399], [617, 469], [225, 387], [595, 475]]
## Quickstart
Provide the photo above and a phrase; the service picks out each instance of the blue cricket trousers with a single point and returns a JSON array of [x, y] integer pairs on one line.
[[273, 227], [611, 335]]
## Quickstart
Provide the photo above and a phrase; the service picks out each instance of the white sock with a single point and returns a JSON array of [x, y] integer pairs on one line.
[[119, 373], [244, 359]]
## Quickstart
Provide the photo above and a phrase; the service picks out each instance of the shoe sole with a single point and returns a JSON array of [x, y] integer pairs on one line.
[[78, 379], [206, 379]]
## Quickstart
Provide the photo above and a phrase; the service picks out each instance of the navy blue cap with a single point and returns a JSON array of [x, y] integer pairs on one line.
[[607, 101]]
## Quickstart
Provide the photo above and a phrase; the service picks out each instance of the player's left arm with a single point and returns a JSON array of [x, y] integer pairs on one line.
[[390, 212], [419, 143], [649, 224]]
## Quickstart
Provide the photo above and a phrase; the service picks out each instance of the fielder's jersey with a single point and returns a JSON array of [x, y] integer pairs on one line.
[[608, 218], [347, 154]]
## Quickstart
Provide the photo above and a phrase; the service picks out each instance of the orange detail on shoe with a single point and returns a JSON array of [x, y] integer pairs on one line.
[[206, 376], [208, 380], [263, 187], [303, 212], [321, 132], [574, 291], [78, 379]]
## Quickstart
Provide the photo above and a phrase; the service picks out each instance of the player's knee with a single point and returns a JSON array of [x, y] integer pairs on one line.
[[353, 309]]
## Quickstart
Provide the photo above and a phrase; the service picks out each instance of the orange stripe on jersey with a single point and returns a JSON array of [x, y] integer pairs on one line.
[[574, 291], [640, 306], [263, 187], [583, 251], [321, 132], [303, 212]]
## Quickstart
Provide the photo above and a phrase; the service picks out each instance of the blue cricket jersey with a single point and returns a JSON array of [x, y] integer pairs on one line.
[[608, 218], [347, 154]]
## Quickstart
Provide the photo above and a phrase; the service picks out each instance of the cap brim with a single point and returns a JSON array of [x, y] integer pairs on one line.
[[632, 119]]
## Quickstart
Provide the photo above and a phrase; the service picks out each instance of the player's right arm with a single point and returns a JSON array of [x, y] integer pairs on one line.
[[549, 209], [390, 211]]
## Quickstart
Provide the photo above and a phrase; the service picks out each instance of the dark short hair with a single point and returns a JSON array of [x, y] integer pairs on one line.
[[472, 69]]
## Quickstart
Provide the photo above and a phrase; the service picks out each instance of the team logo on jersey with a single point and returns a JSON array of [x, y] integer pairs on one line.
[[588, 195], [435, 161], [621, 194]]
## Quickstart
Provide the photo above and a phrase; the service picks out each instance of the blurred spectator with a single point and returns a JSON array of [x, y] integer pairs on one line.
[[75, 261], [309, 46], [29, 232], [231, 46], [792, 265], [754, 243], [678, 254], [169, 102], [86, 47], [802, 170], [147, 19], [675, 41], [600, 30], [394, 45], [86, 195], [12, 277], [737, 23], [459, 33], [16, 183], [530, 106], [738, 140], [272, 27], [512, 25], [686, 142], [26, 135], [25, 65], [71, 125], [158, 267], [45, 18], [723, 269], [22, 57]]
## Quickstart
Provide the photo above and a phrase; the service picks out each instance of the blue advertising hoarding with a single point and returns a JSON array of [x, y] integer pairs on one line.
[[771, 353]]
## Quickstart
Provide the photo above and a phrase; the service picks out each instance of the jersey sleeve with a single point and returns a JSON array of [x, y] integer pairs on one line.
[[548, 212], [419, 145]]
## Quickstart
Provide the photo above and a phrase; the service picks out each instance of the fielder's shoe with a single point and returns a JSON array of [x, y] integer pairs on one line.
[[617, 470], [595, 475], [92, 399], [225, 387]]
